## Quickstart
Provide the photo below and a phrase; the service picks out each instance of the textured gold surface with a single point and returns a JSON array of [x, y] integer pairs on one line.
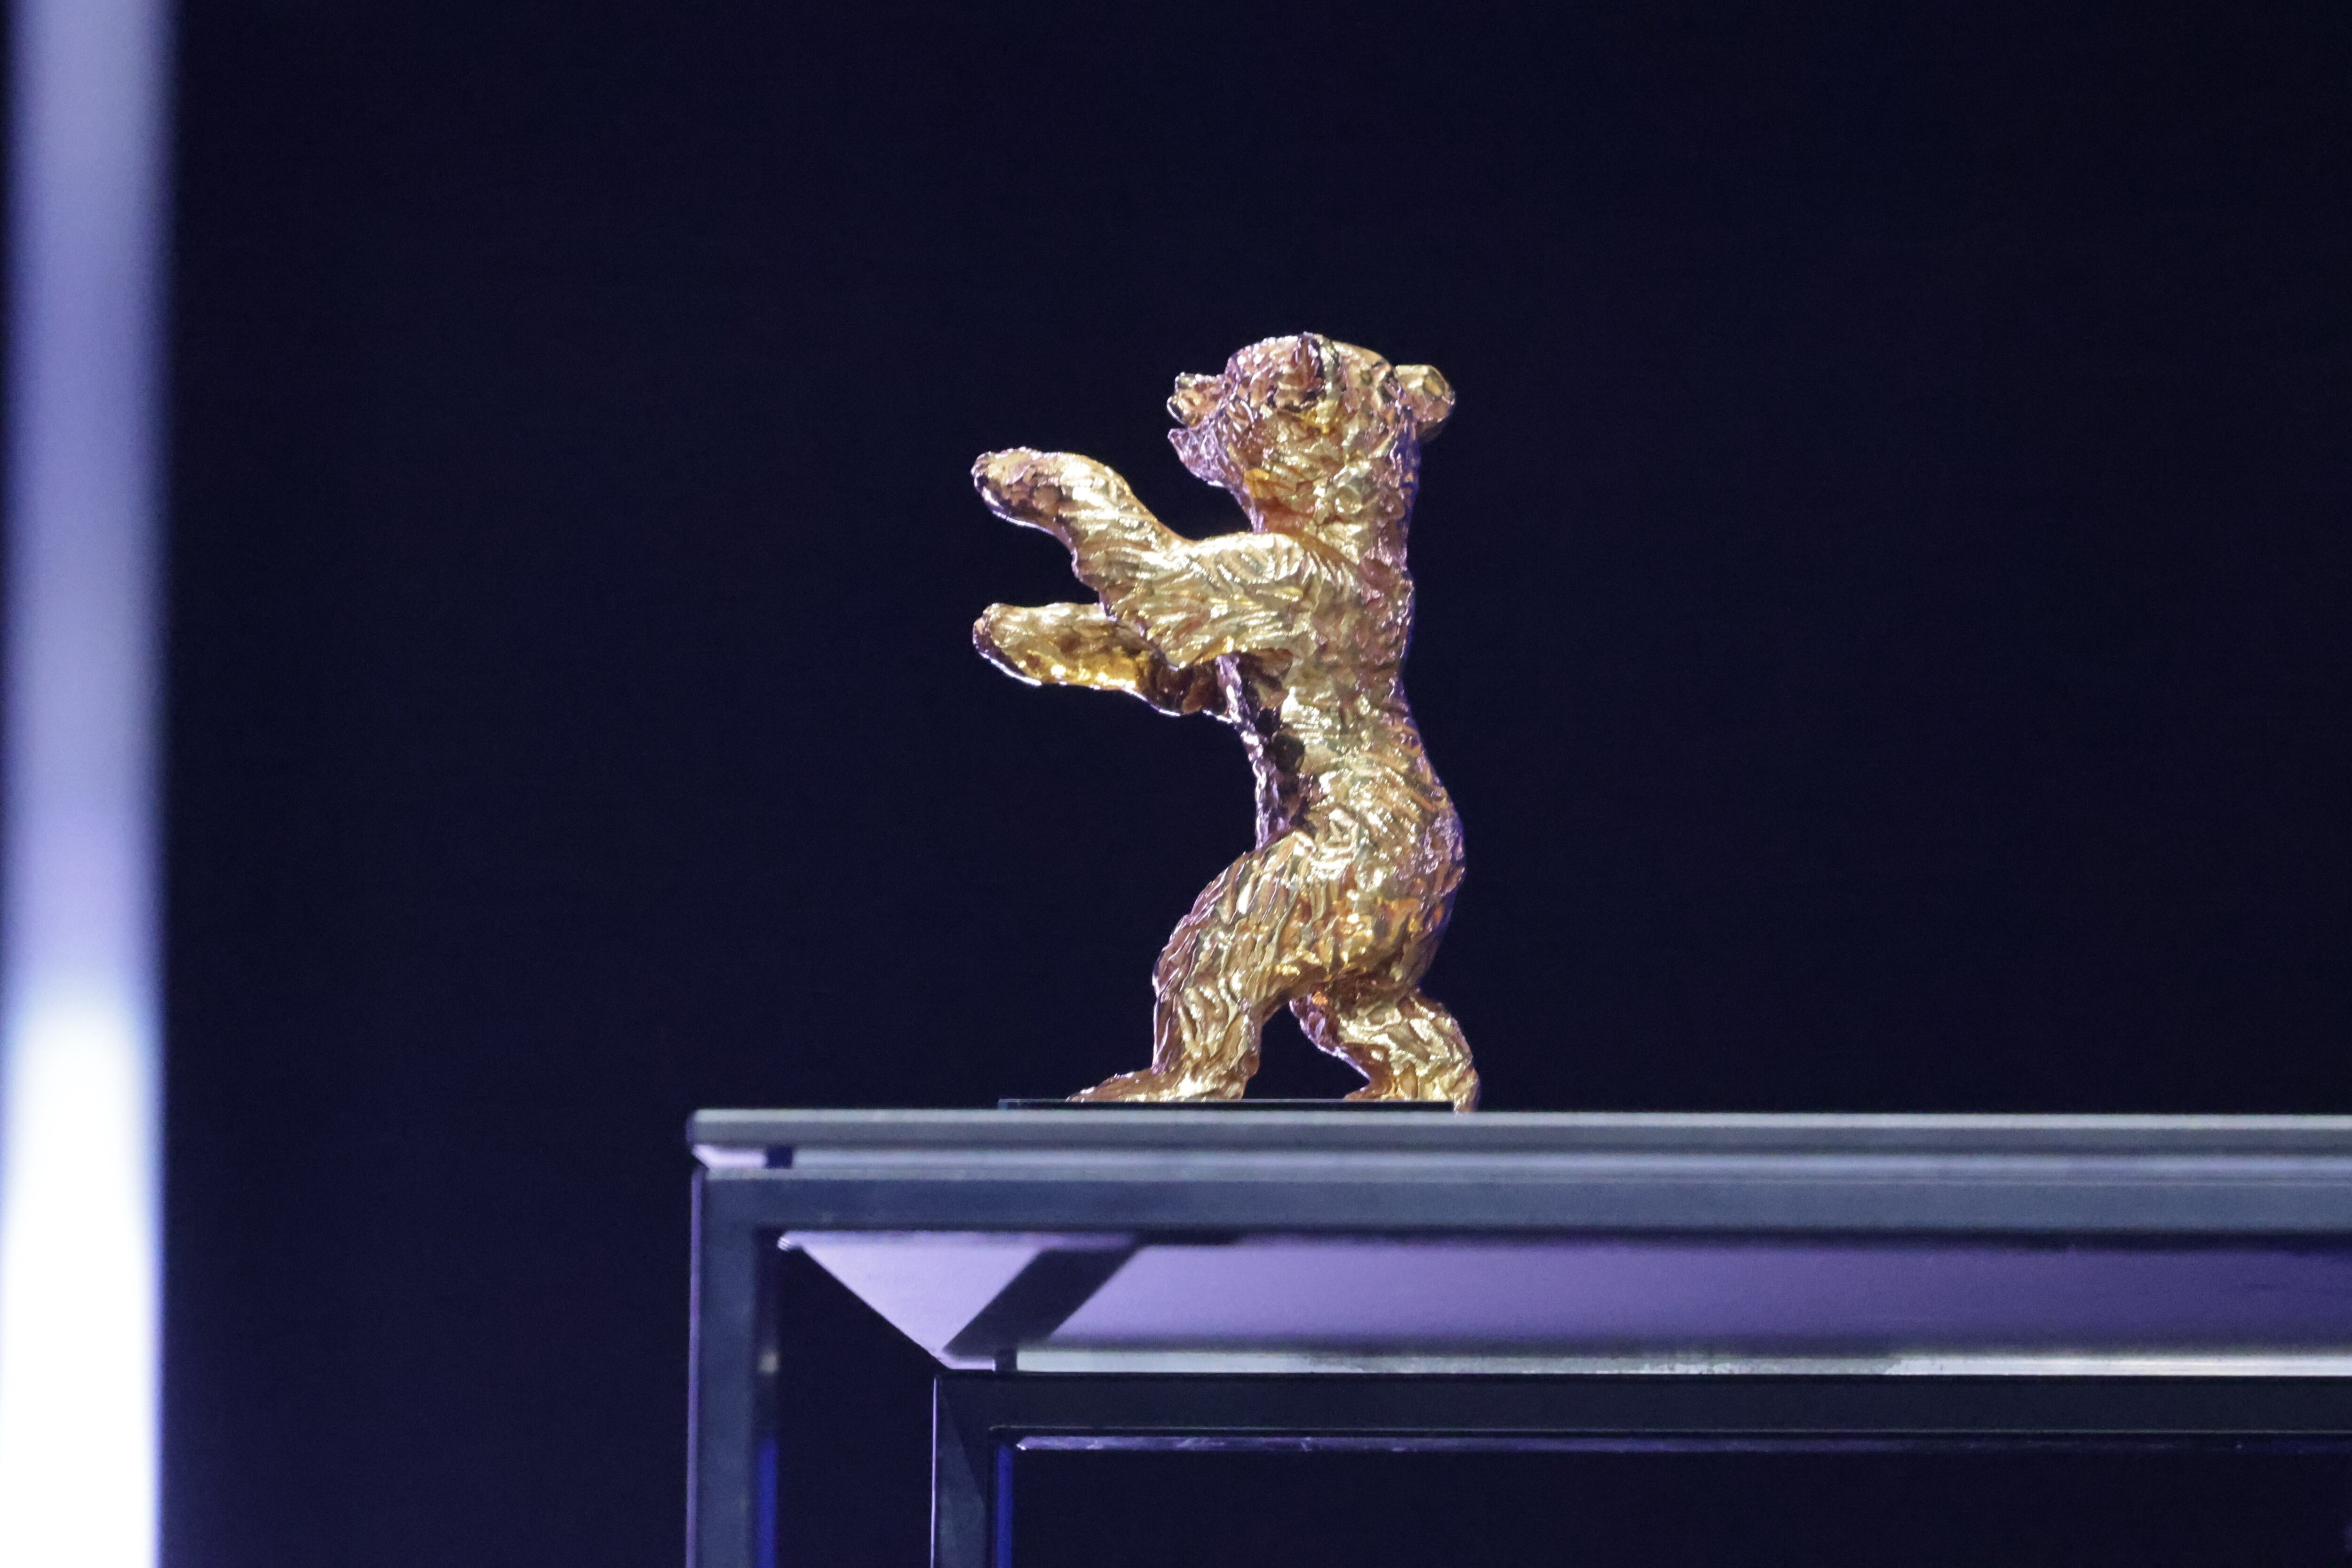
[[1294, 632]]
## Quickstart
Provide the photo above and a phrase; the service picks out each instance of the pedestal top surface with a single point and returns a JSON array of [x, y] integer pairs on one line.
[[1367, 1130]]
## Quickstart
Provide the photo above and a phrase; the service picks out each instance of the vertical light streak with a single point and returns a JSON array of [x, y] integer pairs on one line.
[[79, 1205]]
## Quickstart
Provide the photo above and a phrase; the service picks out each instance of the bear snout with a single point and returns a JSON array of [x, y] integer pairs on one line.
[[1196, 397]]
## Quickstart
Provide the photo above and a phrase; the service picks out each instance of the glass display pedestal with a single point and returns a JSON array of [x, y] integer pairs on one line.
[[1318, 1277]]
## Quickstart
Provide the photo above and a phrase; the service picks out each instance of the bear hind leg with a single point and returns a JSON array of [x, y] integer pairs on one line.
[[1407, 1047], [1222, 974]]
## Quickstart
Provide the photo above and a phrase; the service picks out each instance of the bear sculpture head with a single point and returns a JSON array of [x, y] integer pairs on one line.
[[1313, 436]]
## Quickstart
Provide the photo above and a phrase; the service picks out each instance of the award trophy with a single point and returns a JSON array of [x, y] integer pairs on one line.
[[1294, 634], [1180, 1276]]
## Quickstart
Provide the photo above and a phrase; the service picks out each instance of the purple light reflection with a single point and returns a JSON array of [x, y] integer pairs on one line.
[[78, 1027], [1402, 1295]]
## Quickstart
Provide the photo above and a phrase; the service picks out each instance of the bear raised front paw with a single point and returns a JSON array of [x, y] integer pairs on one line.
[[1020, 486]]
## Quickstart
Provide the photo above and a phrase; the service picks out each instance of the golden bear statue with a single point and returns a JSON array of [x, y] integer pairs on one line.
[[1295, 634]]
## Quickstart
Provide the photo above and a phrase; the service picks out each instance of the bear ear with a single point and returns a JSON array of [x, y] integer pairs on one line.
[[1426, 398]]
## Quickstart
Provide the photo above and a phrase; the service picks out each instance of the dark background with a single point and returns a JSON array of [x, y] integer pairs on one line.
[[1883, 620]]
